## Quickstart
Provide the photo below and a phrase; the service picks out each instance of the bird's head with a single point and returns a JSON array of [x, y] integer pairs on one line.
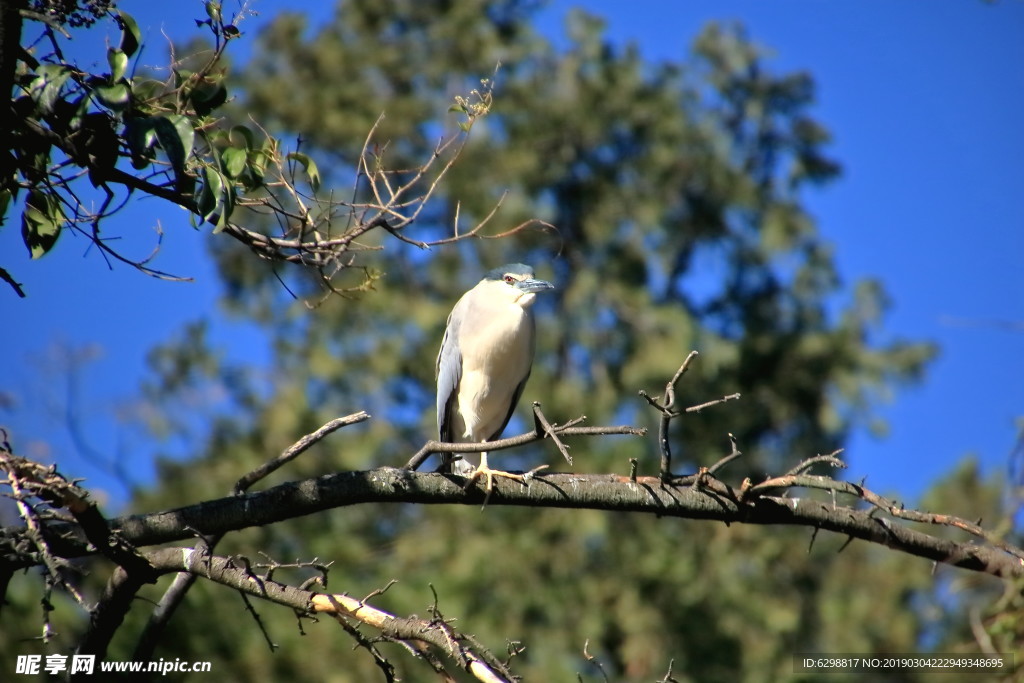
[[516, 283]]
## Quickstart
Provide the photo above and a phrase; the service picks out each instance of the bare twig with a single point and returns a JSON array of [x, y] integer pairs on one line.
[[713, 402], [666, 408], [15, 285], [733, 454], [543, 426], [879, 502], [433, 446], [668, 399], [668, 678], [297, 448], [594, 660], [830, 459]]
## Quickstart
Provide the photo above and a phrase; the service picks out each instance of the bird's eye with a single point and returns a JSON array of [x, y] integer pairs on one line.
[[509, 279]]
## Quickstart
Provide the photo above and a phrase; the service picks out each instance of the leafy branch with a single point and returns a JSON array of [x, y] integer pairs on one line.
[[85, 144]]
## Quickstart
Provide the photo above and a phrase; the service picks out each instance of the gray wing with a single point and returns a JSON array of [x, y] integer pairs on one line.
[[449, 374]]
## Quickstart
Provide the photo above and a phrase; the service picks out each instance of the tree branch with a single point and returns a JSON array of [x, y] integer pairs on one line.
[[667, 409], [183, 582], [708, 498], [435, 632], [568, 429]]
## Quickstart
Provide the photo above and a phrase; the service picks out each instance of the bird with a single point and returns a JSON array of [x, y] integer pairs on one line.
[[485, 359]]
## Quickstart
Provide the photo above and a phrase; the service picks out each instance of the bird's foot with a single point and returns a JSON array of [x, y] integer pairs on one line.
[[488, 474]]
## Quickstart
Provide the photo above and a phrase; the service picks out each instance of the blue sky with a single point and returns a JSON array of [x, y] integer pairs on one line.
[[924, 101]]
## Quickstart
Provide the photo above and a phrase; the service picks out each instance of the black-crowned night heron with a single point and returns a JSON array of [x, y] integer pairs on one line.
[[485, 360]]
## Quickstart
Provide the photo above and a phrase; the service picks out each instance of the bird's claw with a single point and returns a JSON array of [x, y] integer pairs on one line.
[[489, 474]]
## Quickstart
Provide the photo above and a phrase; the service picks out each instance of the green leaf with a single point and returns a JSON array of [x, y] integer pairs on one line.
[[213, 186], [311, 170], [46, 86], [234, 161], [35, 160], [140, 134], [207, 95], [213, 10], [241, 136], [118, 61], [99, 143], [81, 109], [259, 159], [64, 112], [176, 136], [227, 208], [186, 133], [218, 138], [130, 34], [258, 162], [181, 75], [114, 97], [217, 198], [41, 222]]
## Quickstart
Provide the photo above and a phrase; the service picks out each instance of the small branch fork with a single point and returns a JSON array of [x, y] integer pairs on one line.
[[542, 430], [796, 478], [666, 408]]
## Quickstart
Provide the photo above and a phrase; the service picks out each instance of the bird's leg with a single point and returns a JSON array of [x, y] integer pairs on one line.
[[483, 470]]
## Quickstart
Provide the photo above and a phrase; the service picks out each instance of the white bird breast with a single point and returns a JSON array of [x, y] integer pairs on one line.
[[497, 351]]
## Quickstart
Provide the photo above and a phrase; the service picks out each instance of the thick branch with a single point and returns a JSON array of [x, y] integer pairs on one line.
[[713, 501]]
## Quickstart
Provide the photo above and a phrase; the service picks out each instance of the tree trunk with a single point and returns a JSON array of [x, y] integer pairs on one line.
[[10, 44]]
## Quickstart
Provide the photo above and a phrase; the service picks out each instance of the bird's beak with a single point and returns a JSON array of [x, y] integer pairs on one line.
[[531, 285]]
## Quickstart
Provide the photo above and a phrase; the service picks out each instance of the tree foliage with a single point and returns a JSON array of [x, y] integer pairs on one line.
[[129, 133], [665, 199]]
